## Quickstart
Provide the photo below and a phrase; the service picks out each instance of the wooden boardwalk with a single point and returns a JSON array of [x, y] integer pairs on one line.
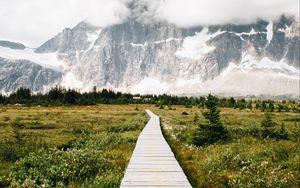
[[152, 163]]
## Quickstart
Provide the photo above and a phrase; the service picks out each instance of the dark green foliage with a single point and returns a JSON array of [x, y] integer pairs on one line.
[[56, 94], [269, 129], [257, 104], [22, 94], [184, 113], [202, 102], [61, 96], [232, 103], [268, 126], [249, 105], [13, 149], [213, 131], [282, 134], [241, 104], [1, 98], [38, 125], [70, 97], [263, 106], [280, 108], [271, 106], [295, 119]]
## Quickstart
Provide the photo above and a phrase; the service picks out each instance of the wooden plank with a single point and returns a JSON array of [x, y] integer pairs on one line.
[[152, 163]]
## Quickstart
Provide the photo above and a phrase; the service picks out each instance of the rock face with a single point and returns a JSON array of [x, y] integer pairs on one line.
[[12, 45], [22, 73], [123, 55]]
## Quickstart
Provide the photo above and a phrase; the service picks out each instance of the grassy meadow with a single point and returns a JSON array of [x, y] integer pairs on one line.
[[246, 160], [76, 146], [90, 146]]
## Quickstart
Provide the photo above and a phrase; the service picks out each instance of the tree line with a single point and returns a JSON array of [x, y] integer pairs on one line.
[[62, 96]]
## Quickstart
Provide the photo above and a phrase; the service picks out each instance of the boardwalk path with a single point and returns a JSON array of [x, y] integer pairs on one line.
[[152, 163]]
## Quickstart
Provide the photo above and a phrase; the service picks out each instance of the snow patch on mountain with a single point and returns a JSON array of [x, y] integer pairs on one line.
[[139, 45], [195, 47], [167, 40], [92, 37], [270, 32], [250, 62], [48, 60]]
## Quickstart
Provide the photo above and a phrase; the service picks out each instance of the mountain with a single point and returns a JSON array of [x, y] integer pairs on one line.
[[16, 73], [154, 57], [12, 45]]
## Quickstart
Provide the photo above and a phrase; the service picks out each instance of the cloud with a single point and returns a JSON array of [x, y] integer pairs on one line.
[[205, 12], [35, 21]]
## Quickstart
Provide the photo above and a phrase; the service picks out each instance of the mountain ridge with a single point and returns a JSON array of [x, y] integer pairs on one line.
[[123, 55]]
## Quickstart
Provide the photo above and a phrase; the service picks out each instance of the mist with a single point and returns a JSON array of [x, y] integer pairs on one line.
[[34, 21]]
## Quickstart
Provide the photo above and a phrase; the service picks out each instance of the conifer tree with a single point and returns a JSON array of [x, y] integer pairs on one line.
[[271, 106], [282, 134], [268, 126], [213, 131], [232, 102], [263, 106], [249, 105]]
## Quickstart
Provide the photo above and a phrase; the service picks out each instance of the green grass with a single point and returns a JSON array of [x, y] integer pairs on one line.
[[246, 160], [49, 145]]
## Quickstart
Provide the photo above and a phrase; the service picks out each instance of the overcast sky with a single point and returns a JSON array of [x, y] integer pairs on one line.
[[32, 22]]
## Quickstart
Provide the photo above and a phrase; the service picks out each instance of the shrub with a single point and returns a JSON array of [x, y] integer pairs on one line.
[[17, 123], [41, 126], [184, 113], [281, 134], [111, 180], [12, 150], [9, 151], [294, 119], [52, 167]]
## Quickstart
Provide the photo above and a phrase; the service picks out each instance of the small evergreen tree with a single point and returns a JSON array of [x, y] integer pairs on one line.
[[271, 106], [1, 98], [280, 108], [249, 105], [282, 134], [268, 126], [257, 104], [201, 102], [232, 102], [241, 104], [263, 106], [213, 131]]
